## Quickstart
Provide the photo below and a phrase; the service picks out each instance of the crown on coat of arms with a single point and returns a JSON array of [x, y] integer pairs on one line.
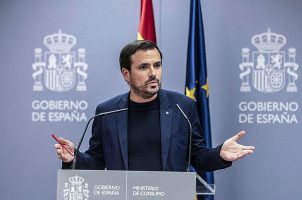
[[269, 41], [60, 42], [76, 180]]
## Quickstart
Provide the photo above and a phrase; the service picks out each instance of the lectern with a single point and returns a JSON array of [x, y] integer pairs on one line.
[[129, 185]]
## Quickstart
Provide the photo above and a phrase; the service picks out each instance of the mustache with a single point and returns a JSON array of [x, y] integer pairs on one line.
[[152, 78]]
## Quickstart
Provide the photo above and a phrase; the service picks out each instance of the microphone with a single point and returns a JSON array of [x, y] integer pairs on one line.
[[190, 137], [203, 182], [84, 132]]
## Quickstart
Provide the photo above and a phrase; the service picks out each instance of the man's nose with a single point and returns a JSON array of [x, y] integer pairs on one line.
[[152, 71]]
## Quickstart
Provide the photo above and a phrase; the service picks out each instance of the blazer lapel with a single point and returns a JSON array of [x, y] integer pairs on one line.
[[166, 125], [122, 126]]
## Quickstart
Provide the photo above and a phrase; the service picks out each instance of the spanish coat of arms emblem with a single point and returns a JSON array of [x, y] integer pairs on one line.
[[270, 69], [60, 69], [75, 189]]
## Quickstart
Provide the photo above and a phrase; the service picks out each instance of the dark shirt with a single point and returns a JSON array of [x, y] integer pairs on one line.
[[144, 137]]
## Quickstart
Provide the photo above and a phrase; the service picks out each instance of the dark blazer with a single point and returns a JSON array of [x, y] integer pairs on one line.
[[108, 146]]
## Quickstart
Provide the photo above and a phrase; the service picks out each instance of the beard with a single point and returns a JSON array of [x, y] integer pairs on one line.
[[146, 91]]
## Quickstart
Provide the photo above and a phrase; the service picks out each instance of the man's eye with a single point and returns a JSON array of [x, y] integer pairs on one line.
[[142, 67], [158, 65]]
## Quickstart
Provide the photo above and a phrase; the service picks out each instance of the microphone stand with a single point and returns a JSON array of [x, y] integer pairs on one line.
[[84, 132]]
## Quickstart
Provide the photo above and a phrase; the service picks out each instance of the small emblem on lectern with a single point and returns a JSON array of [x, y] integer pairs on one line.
[[76, 189]]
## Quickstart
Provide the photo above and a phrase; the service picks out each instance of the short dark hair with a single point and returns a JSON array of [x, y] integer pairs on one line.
[[131, 48]]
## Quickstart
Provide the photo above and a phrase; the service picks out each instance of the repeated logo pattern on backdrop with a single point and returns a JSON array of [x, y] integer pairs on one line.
[[269, 67], [268, 70], [60, 65], [59, 69]]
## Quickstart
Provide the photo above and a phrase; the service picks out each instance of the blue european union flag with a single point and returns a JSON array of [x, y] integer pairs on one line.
[[196, 77]]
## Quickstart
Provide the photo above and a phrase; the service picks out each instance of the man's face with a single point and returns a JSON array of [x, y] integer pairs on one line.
[[145, 75]]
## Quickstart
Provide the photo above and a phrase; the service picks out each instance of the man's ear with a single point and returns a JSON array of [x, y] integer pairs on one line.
[[126, 74]]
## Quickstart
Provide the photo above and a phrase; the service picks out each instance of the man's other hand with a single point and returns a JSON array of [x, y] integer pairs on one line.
[[231, 150]]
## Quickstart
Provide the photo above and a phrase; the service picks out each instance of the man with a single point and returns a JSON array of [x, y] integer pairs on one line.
[[152, 134]]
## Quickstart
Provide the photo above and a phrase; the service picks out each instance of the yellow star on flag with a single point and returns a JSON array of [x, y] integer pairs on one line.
[[206, 88], [190, 93]]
